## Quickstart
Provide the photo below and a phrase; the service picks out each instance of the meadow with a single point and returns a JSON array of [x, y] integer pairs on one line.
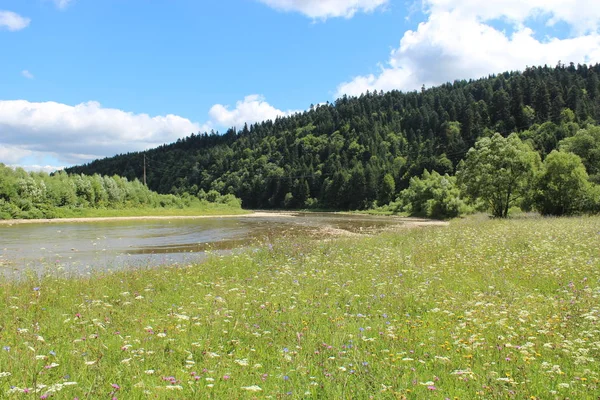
[[195, 209], [482, 309]]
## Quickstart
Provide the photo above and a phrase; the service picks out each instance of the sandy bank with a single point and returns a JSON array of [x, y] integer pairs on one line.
[[403, 222], [106, 219]]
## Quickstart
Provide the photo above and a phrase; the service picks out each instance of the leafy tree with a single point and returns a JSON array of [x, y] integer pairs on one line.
[[388, 188], [433, 196], [592, 200], [61, 190], [8, 187], [29, 189], [586, 144], [562, 187], [39, 195], [499, 171], [212, 196], [288, 200]]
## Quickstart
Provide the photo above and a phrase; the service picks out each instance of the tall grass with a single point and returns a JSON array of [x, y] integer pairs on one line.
[[194, 210], [490, 310]]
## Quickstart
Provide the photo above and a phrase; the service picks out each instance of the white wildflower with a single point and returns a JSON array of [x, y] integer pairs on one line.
[[253, 388]]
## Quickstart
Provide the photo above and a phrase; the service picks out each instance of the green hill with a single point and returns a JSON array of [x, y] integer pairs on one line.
[[361, 151]]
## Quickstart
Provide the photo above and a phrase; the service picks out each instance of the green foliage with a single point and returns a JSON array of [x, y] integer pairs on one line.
[[212, 196], [499, 171], [562, 187], [340, 153], [592, 199], [230, 200], [545, 137], [38, 195], [433, 196], [288, 201], [586, 144], [388, 189]]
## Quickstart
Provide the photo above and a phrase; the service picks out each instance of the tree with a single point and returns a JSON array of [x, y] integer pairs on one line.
[[8, 184], [542, 103], [586, 144], [433, 196], [562, 187], [388, 188], [499, 171]]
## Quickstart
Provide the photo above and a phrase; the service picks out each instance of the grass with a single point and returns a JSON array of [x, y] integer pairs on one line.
[[197, 209], [478, 310]]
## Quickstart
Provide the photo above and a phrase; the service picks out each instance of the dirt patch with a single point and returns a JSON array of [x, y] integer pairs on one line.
[[268, 214], [330, 231], [419, 222], [403, 223], [104, 219]]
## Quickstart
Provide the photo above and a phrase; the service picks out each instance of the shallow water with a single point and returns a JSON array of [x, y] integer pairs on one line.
[[82, 247]]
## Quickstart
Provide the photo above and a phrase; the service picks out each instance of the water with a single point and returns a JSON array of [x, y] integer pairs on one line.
[[83, 247]]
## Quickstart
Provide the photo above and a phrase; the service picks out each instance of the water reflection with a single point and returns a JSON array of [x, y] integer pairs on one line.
[[80, 248]]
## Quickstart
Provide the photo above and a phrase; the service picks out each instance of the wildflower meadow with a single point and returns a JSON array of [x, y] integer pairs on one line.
[[481, 309]]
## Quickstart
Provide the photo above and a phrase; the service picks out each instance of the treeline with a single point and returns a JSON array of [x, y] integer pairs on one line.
[[360, 152], [38, 195], [500, 173]]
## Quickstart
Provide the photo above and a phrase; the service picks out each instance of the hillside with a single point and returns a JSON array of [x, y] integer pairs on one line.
[[357, 152]]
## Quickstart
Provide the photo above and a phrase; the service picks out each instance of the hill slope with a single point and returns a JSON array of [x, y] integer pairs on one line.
[[356, 151]]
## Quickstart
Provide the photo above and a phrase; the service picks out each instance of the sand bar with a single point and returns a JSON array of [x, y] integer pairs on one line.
[[258, 214], [405, 222]]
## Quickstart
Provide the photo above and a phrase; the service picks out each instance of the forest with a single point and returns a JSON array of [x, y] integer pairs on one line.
[[392, 149], [29, 195]]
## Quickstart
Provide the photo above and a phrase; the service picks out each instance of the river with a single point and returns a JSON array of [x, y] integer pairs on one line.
[[80, 248]]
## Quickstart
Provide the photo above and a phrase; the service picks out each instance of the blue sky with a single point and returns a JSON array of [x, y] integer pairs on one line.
[[183, 56], [81, 79]]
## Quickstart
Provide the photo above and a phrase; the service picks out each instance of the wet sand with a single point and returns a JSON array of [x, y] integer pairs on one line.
[[164, 217], [406, 222]]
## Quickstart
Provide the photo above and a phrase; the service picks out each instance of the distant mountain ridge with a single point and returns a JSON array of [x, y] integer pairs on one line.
[[359, 151]]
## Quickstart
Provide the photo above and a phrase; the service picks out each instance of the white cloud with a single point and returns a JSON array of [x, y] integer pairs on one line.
[[34, 134], [252, 109], [13, 21], [26, 74], [39, 168], [582, 15], [457, 42], [323, 9], [62, 4], [83, 132], [12, 154]]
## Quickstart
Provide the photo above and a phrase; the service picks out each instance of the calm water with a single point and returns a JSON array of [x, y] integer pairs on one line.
[[79, 248]]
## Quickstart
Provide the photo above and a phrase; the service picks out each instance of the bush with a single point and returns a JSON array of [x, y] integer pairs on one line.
[[311, 203], [562, 187], [433, 196], [230, 200], [212, 196], [592, 200], [8, 210]]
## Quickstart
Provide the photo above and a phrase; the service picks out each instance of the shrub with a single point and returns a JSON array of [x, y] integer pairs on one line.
[[562, 187], [433, 196]]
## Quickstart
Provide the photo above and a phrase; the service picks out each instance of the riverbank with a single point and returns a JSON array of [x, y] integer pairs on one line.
[[405, 221], [481, 309], [242, 213]]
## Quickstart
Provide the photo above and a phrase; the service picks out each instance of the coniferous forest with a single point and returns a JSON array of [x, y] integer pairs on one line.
[[362, 152]]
